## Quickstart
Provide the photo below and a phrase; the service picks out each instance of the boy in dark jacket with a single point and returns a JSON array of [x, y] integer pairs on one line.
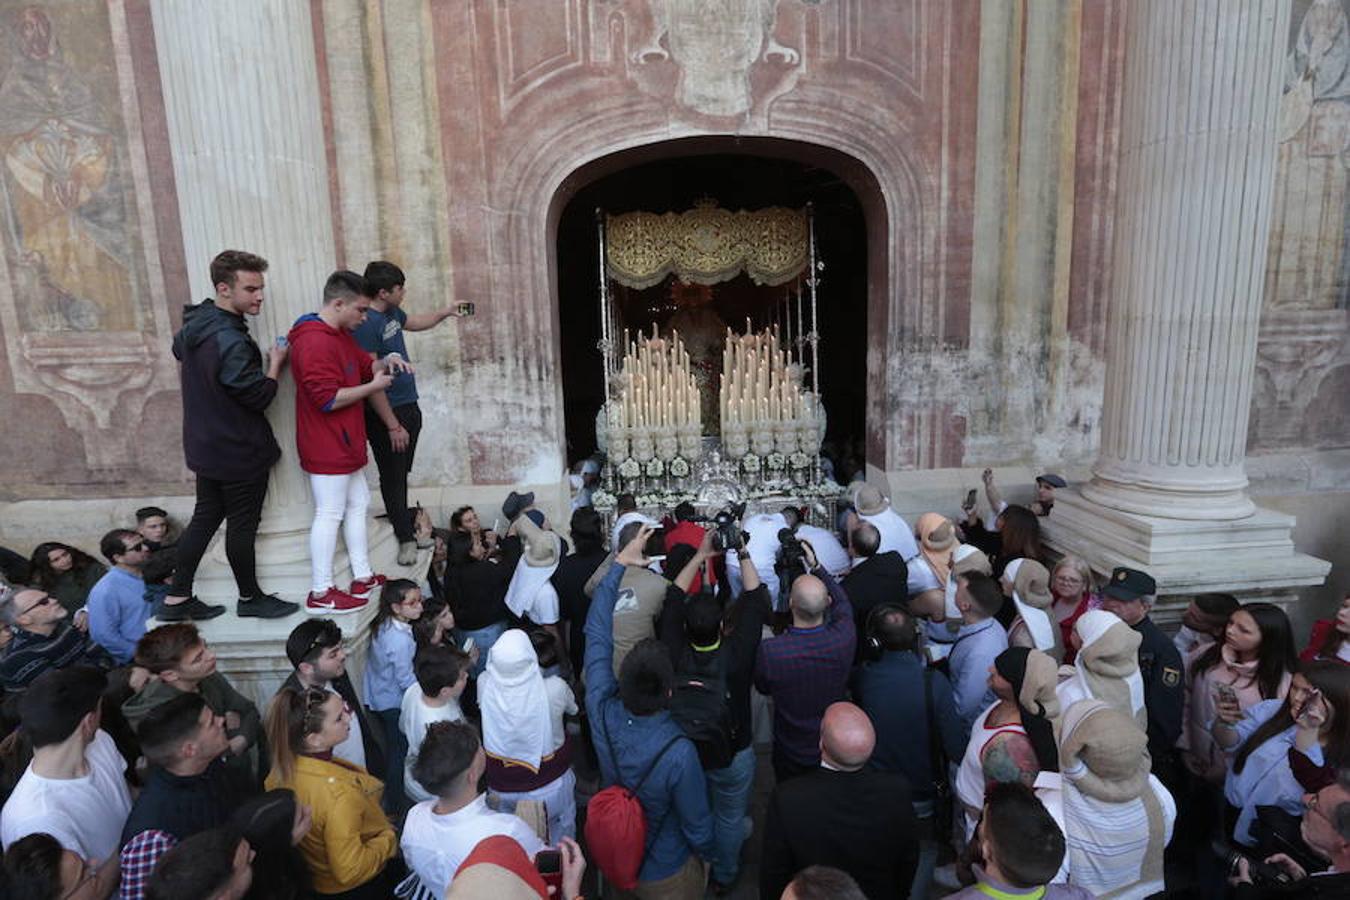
[[226, 437]]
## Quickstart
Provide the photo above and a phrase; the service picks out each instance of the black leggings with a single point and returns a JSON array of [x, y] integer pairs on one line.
[[238, 504]]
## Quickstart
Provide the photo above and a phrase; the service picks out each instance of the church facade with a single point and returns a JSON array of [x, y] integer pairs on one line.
[[1107, 237]]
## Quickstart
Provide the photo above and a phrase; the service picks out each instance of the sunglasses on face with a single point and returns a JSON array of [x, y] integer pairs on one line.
[[46, 600]]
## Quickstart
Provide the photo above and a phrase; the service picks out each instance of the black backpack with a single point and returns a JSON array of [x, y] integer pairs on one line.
[[700, 704]]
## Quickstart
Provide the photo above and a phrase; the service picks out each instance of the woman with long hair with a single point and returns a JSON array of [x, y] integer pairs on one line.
[[1016, 534], [1072, 593], [569, 580], [1314, 718], [529, 756], [65, 572], [351, 847], [389, 673], [1254, 662], [274, 825], [1330, 637]]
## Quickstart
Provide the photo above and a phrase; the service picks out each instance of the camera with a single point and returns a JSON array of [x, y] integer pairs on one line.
[[791, 555], [727, 529], [1262, 873]]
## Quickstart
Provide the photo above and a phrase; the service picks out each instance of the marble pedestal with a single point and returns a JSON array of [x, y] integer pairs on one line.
[[1252, 558], [252, 652]]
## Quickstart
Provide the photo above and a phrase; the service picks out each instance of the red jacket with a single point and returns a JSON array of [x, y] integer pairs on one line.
[[324, 360], [691, 535]]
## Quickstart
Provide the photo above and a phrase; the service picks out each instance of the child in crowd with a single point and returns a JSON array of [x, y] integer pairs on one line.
[[442, 674], [389, 674]]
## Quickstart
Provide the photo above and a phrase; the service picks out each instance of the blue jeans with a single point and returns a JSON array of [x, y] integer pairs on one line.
[[729, 797], [396, 749], [483, 639], [928, 851]]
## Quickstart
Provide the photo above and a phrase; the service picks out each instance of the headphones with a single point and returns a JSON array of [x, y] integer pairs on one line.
[[872, 629]]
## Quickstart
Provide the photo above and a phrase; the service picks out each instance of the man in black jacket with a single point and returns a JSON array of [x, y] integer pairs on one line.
[[875, 578], [1326, 831], [315, 648], [705, 658], [842, 815], [187, 790], [227, 440]]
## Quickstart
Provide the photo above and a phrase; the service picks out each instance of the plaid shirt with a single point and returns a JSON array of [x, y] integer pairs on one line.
[[804, 670], [138, 861]]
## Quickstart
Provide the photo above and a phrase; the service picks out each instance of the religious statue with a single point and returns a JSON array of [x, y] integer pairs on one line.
[[703, 332]]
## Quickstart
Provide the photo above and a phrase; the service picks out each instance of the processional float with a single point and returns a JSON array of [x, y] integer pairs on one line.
[[664, 438]]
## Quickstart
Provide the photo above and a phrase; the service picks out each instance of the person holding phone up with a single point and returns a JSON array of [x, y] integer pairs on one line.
[[381, 335]]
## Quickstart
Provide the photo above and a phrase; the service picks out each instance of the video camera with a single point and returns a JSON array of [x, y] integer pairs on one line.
[[727, 528], [791, 556]]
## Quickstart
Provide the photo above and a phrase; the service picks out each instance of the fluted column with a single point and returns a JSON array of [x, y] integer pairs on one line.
[[245, 122], [1198, 142]]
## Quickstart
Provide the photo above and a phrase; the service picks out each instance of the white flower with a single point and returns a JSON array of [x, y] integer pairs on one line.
[[630, 468], [678, 467]]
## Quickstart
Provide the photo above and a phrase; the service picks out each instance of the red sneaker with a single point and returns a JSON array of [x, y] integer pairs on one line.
[[362, 587], [333, 601]]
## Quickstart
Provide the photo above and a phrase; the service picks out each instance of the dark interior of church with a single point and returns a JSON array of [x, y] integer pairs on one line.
[[735, 182]]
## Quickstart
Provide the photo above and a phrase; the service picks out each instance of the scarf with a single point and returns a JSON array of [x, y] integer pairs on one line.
[[1033, 578], [1107, 665], [1032, 676], [517, 723]]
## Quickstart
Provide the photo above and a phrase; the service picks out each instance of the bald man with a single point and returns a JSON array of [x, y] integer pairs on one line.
[[806, 668], [842, 815]]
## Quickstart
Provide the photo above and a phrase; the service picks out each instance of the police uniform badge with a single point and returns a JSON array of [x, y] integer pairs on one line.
[[1171, 677]]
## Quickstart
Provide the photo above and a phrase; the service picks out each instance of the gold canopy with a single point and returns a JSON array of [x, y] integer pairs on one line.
[[707, 245]]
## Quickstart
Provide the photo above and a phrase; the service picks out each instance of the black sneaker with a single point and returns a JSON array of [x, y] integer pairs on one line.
[[265, 606], [193, 610]]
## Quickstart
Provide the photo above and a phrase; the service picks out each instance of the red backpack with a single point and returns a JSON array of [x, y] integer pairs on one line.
[[616, 827]]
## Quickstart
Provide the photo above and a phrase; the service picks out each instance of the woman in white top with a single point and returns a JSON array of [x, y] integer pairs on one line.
[[524, 734]]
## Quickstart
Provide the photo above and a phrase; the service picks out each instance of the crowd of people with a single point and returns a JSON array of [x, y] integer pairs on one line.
[[940, 707]]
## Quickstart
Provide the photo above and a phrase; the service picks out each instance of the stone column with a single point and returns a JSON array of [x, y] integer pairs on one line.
[[1198, 143], [245, 122]]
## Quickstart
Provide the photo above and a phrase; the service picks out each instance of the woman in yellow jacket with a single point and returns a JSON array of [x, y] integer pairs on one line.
[[351, 847]]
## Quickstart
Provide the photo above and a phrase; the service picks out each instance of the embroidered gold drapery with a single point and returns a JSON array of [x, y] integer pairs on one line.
[[707, 245]]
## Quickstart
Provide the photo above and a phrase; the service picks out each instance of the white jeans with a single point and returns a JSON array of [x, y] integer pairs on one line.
[[338, 498]]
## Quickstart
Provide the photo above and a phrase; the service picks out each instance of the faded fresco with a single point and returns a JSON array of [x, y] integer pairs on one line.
[[1303, 346], [68, 219]]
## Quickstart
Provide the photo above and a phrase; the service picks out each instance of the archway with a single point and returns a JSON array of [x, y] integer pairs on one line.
[[737, 174]]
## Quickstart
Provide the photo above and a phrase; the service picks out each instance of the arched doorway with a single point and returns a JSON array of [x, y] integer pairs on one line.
[[737, 174]]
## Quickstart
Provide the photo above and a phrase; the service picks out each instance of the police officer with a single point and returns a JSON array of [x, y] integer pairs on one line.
[[1130, 595]]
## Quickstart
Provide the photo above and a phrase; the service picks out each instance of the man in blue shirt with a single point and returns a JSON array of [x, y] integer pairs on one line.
[[634, 734], [976, 646], [116, 604], [381, 335]]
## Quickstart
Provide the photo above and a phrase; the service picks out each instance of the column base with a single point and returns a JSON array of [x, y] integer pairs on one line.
[[1252, 558], [252, 652], [1166, 501]]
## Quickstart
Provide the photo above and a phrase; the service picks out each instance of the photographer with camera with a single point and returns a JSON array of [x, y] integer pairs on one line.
[[761, 542], [711, 699], [1326, 830], [806, 668]]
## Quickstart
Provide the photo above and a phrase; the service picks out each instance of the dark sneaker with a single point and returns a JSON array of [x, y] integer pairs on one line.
[[193, 610], [265, 606], [362, 587], [333, 601]]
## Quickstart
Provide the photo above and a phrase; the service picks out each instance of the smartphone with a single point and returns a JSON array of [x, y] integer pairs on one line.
[[1226, 693], [282, 341], [468, 645], [655, 548], [549, 864], [464, 309], [970, 500]]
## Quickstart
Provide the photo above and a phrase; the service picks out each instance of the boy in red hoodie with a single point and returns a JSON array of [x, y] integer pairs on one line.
[[334, 379]]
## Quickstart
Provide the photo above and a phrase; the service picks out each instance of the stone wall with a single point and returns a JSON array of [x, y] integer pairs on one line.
[[981, 136]]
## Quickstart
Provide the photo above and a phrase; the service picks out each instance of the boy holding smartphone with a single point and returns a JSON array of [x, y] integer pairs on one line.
[[382, 336]]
